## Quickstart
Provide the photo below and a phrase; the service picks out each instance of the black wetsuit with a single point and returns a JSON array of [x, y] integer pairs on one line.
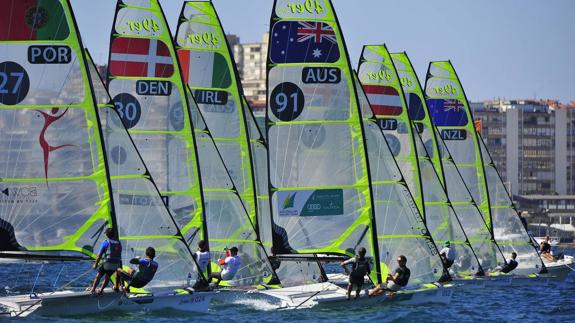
[[280, 240], [403, 278], [512, 264], [8, 240]]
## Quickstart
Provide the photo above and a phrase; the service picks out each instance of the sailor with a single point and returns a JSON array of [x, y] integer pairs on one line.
[[111, 253], [359, 269], [8, 240], [395, 281], [448, 254], [280, 240], [230, 266], [147, 268], [202, 257], [511, 264], [545, 249]]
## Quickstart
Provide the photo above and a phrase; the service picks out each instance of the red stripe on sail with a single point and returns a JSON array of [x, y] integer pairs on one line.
[[184, 57], [384, 100]]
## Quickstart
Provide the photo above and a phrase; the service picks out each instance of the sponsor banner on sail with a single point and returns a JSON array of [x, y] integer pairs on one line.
[[321, 202], [33, 20], [303, 42], [140, 57]]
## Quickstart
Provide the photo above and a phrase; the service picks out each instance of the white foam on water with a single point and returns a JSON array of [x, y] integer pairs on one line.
[[258, 304]]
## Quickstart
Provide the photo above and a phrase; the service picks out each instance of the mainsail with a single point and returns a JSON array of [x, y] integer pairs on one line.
[[400, 227], [449, 110], [383, 87], [71, 149], [476, 233], [208, 68], [172, 135]]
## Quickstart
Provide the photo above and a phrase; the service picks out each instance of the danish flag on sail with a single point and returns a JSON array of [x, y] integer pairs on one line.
[[384, 100], [140, 57]]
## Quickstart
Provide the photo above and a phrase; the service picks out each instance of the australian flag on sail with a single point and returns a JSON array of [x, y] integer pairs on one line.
[[303, 42], [448, 113], [414, 107]]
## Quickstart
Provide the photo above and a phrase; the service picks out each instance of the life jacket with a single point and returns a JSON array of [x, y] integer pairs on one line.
[[147, 271], [114, 252], [360, 267], [403, 278]]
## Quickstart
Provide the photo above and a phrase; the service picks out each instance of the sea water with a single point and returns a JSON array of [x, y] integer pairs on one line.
[[553, 302]]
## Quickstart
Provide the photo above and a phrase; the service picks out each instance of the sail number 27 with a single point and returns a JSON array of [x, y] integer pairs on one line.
[[146, 24], [311, 6]]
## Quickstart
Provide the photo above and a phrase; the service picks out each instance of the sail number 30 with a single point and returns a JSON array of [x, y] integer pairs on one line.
[[311, 6]]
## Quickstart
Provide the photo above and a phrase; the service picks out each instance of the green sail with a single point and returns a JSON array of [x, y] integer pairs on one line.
[[383, 86], [475, 228], [401, 230], [208, 68], [449, 109], [55, 189], [319, 179], [173, 137], [73, 147]]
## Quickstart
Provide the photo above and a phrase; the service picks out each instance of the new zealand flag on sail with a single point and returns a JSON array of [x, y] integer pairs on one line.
[[303, 42], [449, 113]]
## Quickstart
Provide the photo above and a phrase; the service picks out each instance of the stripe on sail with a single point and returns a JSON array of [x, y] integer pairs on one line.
[[477, 169], [475, 231]]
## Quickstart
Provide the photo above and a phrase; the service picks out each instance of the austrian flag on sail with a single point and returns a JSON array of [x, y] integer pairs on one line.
[[140, 57], [384, 100]]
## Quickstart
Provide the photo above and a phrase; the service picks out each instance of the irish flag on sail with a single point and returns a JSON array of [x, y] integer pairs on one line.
[[384, 100], [33, 20], [204, 69], [140, 57]]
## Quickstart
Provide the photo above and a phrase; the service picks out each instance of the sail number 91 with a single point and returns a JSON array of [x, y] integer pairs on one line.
[[287, 101], [311, 6], [146, 24]]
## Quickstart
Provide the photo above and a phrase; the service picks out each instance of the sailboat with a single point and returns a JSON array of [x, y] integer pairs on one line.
[[175, 139], [383, 86], [83, 168], [477, 233], [323, 195], [449, 110]]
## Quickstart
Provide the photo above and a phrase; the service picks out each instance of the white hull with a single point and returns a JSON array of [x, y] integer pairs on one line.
[[329, 295], [67, 303], [560, 269], [485, 281]]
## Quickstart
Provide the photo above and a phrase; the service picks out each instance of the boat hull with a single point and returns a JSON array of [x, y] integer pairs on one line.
[[331, 295], [69, 303]]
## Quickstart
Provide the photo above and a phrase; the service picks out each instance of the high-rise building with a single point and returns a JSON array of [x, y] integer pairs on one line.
[[251, 62], [531, 143]]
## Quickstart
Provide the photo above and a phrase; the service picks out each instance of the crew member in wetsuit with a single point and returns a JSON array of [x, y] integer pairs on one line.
[[511, 264], [359, 269], [147, 268], [395, 281], [545, 249], [280, 240], [111, 253], [8, 240]]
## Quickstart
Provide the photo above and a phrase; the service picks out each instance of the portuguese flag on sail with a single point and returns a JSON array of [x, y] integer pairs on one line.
[[32, 20]]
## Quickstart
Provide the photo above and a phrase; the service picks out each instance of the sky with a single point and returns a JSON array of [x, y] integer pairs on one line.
[[508, 49]]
